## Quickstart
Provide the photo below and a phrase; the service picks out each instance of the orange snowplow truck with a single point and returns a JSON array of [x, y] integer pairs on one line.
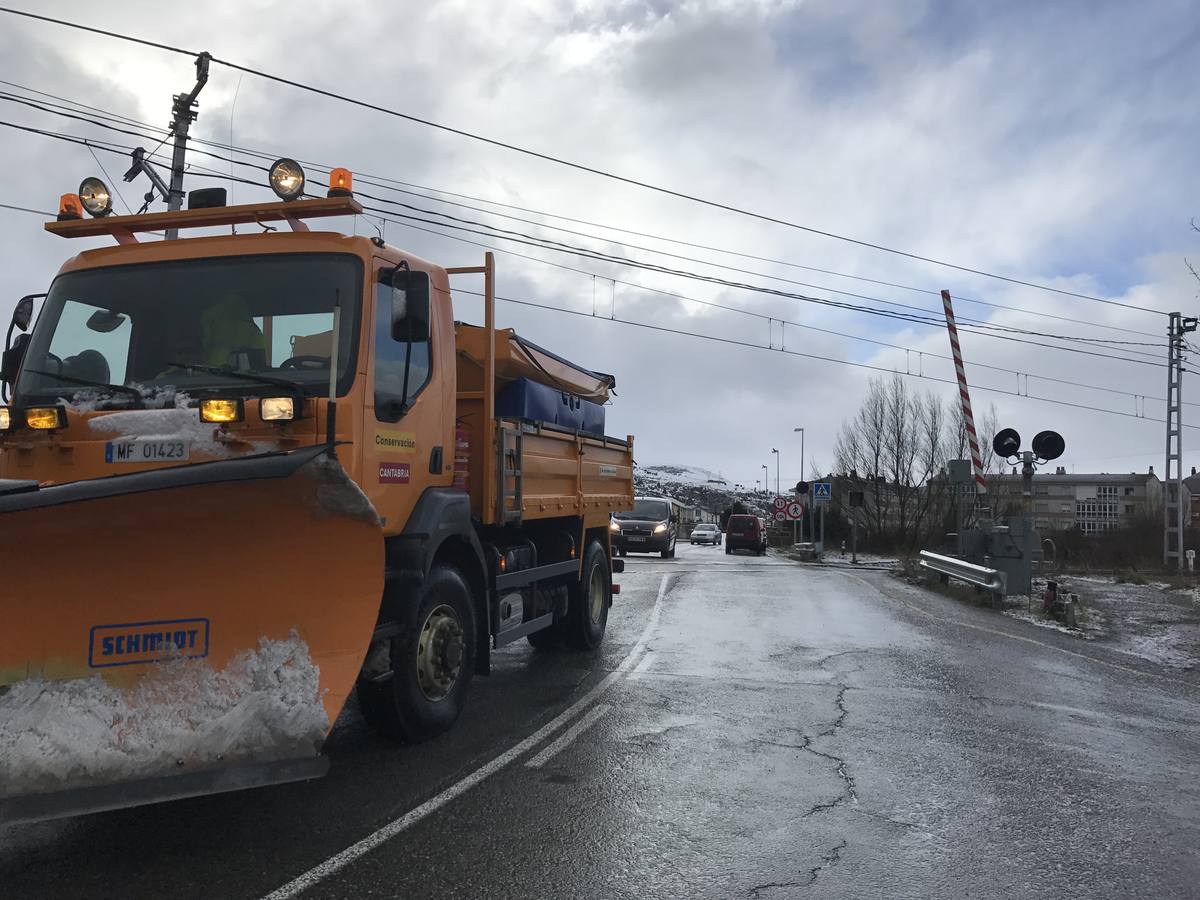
[[242, 476]]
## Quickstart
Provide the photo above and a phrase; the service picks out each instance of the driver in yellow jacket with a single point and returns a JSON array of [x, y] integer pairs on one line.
[[226, 328]]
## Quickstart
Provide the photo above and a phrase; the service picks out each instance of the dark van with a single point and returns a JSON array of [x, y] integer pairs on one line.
[[650, 527], [746, 533]]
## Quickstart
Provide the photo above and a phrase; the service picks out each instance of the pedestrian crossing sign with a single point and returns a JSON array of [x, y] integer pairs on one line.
[[822, 491]]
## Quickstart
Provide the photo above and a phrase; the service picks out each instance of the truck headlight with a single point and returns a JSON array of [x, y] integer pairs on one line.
[[220, 411], [46, 418], [660, 527], [95, 197], [5, 419], [277, 409], [614, 525], [286, 179]]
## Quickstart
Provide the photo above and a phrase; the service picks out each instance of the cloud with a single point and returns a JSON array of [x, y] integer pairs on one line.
[[1055, 144]]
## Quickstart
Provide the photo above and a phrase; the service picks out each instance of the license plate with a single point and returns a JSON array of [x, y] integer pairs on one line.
[[636, 540], [147, 451]]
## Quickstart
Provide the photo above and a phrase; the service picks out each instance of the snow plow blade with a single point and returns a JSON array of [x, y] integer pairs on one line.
[[179, 632]]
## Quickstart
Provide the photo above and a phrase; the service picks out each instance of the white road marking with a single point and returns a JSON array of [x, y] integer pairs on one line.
[[336, 863], [642, 666], [564, 740]]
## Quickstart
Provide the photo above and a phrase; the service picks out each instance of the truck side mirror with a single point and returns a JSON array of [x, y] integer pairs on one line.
[[23, 314], [410, 305]]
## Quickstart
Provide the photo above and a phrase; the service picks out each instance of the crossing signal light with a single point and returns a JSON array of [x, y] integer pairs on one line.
[[801, 487], [1007, 443], [1048, 445]]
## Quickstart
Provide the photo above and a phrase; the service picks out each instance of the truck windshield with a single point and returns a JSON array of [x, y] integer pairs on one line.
[[112, 333], [647, 509]]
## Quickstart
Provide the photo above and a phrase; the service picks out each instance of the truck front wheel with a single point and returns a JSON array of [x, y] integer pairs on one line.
[[432, 661], [589, 599]]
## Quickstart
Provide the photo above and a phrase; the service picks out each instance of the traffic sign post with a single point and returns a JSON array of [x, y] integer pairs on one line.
[[822, 494], [779, 503], [794, 510]]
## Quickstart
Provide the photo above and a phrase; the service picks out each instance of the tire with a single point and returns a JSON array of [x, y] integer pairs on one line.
[[588, 600], [426, 690]]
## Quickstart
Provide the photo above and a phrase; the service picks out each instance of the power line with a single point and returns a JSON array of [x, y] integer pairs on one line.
[[26, 209], [814, 356], [714, 204], [823, 301], [366, 179], [783, 322], [587, 253]]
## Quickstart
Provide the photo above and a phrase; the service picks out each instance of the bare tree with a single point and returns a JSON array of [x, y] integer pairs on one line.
[[896, 445]]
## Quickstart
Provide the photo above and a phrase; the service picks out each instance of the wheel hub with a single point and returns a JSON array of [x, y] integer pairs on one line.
[[439, 652], [596, 596]]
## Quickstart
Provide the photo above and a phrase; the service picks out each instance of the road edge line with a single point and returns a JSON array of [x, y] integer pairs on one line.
[[355, 851], [564, 740]]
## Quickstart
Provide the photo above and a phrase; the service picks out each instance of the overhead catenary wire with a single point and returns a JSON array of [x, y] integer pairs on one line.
[[88, 144], [366, 179], [683, 195], [611, 259], [816, 356]]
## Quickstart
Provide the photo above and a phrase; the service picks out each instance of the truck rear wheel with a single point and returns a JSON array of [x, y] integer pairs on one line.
[[432, 661], [589, 599]]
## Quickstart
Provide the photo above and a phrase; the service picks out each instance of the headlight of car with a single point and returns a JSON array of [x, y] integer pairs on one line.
[[660, 527], [614, 525]]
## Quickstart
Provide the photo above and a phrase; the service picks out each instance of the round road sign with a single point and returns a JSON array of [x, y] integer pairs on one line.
[[795, 510], [780, 503], [780, 515]]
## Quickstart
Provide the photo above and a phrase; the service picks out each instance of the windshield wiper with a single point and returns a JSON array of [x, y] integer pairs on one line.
[[83, 382], [293, 387]]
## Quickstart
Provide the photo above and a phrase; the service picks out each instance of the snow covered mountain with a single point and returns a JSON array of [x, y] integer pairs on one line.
[[694, 486]]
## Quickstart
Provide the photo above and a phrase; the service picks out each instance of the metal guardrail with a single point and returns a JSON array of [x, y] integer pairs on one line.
[[992, 580]]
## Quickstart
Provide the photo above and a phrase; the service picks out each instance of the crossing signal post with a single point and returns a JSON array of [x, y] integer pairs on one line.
[[801, 492]]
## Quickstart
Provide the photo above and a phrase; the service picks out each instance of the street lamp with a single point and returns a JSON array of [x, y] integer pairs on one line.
[[766, 478], [801, 430], [776, 452]]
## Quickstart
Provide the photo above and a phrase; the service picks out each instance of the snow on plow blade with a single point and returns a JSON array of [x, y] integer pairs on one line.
[[179, 632]]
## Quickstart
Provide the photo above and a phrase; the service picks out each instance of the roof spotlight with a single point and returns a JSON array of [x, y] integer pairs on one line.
[[95, 197], [287, 179]]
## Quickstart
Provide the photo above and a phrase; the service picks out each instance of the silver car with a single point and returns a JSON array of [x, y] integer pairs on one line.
[[707, 533]]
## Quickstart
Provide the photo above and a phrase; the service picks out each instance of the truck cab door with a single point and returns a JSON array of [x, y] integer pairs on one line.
[[406, 422]]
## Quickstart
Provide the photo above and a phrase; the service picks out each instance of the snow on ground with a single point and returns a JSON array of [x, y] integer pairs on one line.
[[1041, 621], [182, 717], [1154, 621]]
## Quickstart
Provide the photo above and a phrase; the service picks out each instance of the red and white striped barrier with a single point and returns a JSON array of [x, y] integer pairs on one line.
[[964, 394]]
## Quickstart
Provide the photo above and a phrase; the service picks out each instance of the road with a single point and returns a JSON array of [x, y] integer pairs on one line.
[[752, 728]]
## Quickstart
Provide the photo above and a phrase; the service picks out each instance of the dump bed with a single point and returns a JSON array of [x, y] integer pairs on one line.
[[520, 470]]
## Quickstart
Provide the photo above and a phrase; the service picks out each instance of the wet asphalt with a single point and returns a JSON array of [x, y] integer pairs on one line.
[[750, 728]]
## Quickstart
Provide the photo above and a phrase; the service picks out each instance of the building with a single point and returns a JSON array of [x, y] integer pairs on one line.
[[1090, 502]]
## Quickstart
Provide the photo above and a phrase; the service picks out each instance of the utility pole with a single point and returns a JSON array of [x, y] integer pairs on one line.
[[1173, 472], [183, 115]]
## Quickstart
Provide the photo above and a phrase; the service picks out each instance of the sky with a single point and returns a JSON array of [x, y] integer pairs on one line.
[[1049, 143]]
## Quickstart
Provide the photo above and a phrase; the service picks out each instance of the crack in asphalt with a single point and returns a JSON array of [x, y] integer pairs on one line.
[[842, 712], [814, 873], [851, 788]]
